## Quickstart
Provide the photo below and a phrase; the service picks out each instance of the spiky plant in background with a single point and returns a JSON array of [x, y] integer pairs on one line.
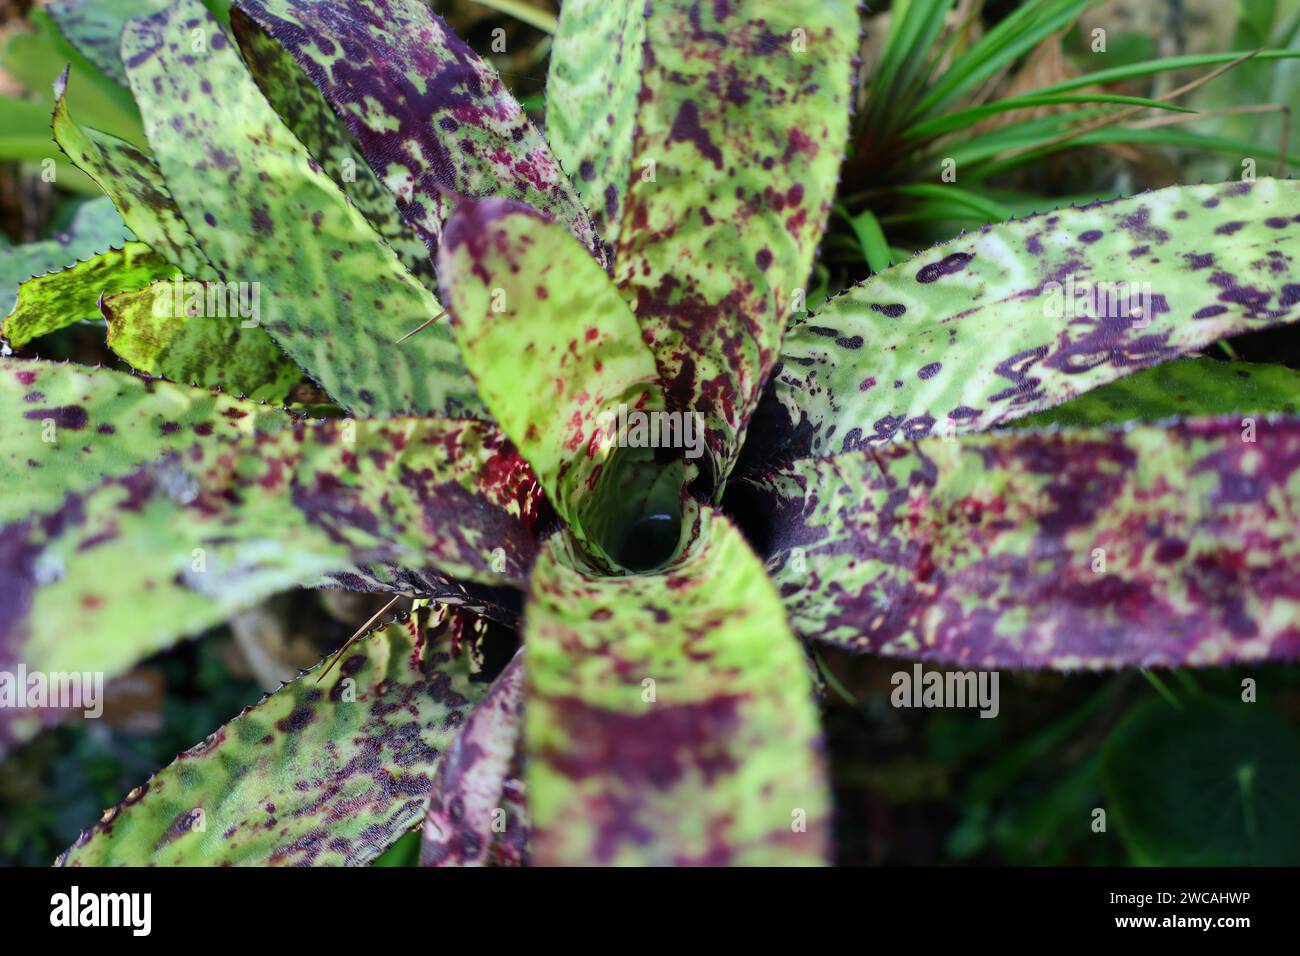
[[480, 320]]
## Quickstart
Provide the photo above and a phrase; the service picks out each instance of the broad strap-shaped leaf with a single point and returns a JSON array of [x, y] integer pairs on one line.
[[554, 349], [68, 427], [218, 352], [215, 528], [54, 301], [95, 228], [199, 333], [302, 107], [95, 28], [429, 115], [709, 137], [1024, 315], [467, 812], [1183, 388], [322, 774], [1087, 549], [333, 294], [670, 717]]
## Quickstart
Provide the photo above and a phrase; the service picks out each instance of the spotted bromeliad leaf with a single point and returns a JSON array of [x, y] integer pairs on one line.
[[851, 484]]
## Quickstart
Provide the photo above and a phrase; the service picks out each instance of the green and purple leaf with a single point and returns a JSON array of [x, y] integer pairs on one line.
[[432, 118], [322, 774], [709, 136], [998, 324], [1141, 546], [467, 815], [51, 302], [334, 295], [670, 717], [100, 424], [554, 349], [314, 123], [244, 511], [132, 180]]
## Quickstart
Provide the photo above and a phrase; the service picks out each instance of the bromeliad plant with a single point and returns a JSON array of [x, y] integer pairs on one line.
[[661, 707]]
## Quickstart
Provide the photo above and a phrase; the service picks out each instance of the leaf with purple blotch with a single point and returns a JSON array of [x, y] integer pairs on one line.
[[1075, 549], [710, 136], [58, 299], [334, 295], [306, 112], [100, 424], [432, 118], [466, 816], [1020, 316], [239, 514], [554, 350], [670, 717], [322, 774]]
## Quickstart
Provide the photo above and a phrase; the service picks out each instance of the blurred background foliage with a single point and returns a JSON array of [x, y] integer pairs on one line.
[[1029, 106]]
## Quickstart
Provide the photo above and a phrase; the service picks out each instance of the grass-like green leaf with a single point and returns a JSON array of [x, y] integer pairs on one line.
[[1182, 389]]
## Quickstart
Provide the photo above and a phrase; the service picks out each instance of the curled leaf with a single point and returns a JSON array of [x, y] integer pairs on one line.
[[51, 302], [670, 718]]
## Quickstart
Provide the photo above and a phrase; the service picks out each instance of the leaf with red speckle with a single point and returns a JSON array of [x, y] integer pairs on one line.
[[1079, 549], [554, 350], [708, 137], [467, 813], [101, 424], [670, 717], [432, 118], [216, 525], [51, 302], [322, 774], [332, 293], [1021, 316]]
